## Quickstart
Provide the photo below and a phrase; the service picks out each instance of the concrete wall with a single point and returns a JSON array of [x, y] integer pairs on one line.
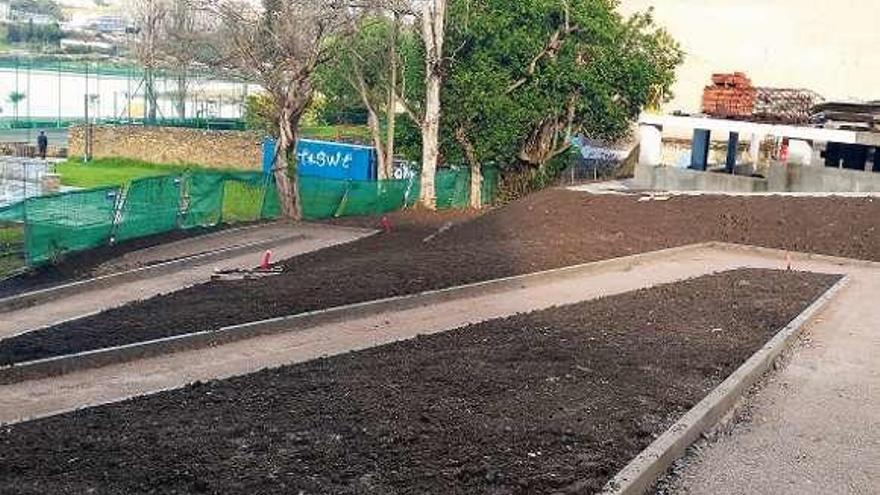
[[675, 151], [797, 178], [781, 178], [219, 149], [828, 46], [677, 179]]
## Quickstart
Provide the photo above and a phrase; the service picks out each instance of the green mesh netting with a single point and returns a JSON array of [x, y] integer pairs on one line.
[[74, 221], [374, 198], [150, 206], [244, 197], [63, 223], [490, 185], [452, 187], [202, 199], [12, 213], [271, 203], [327, 198], [321, 198], [12, 255]]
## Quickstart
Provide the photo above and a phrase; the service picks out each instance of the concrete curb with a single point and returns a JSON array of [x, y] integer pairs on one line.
[[30, 299], [60, 365], [796, 256], [640, 475]]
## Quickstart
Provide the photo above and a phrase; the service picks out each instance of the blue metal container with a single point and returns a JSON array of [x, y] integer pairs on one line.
[[328, 160]]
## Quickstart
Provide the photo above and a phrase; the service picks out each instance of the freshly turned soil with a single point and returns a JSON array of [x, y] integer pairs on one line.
[[524, 405], [551, 229]]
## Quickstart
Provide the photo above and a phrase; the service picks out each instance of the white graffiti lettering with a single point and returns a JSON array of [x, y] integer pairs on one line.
[[324, 159]]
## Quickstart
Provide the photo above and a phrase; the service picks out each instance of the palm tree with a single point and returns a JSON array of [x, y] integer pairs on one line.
[[15, 98]]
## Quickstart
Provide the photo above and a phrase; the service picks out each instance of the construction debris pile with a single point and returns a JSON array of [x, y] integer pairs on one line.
[[732, 96], [851, 116]]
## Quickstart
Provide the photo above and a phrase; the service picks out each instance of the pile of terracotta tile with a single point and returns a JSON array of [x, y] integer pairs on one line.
[[730, 95], [783, 105]]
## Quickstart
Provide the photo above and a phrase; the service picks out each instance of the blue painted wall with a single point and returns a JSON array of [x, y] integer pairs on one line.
[[328, 160]]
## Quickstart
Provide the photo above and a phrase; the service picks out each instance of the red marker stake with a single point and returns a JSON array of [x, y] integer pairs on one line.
[[267, 259], [386, 224]]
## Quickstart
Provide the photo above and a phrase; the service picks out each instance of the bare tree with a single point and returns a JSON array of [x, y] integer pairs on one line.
[[180, 44], [279, 45], [149, 17]]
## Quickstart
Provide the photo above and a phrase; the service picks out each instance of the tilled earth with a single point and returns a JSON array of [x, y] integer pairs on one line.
[[524, 405], [548, 230]]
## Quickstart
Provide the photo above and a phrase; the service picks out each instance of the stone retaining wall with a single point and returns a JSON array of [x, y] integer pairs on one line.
[[172, 145]]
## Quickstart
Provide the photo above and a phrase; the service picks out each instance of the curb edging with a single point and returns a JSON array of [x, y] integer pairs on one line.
[[642, 473]]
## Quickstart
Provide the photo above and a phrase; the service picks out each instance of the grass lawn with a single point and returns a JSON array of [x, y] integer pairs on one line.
[[360, 133], [11, 248], [111, 171], [241, 203]]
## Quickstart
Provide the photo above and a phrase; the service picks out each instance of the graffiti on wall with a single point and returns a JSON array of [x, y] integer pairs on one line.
[[321, 158]]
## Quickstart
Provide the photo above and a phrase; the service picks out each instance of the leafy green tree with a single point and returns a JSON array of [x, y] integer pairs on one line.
[[364, 78], [260, 114], [357, 78], [525, 77]]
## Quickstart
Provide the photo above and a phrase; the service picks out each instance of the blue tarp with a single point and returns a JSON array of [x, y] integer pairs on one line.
[[328, 160]]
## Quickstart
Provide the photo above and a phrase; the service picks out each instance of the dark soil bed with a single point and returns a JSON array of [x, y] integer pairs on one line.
[[524, 405], [548, 230]]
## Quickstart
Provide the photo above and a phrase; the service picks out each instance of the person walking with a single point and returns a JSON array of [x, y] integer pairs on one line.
[[42, 144]]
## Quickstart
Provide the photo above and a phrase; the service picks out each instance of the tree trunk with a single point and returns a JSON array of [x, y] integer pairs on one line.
[[284, 170], [430, 146], [150, 95], [376, 134], [391, 116], [476, 197], [433, 25], [181, 95]]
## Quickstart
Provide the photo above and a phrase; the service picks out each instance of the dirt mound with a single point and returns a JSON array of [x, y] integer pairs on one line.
[[548, 230]]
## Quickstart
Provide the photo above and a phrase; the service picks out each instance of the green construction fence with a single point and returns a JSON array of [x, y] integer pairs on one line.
[[60, 224]]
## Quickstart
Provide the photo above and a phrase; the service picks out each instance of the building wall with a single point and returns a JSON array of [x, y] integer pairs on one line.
[[828, 46], [219, 149]]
